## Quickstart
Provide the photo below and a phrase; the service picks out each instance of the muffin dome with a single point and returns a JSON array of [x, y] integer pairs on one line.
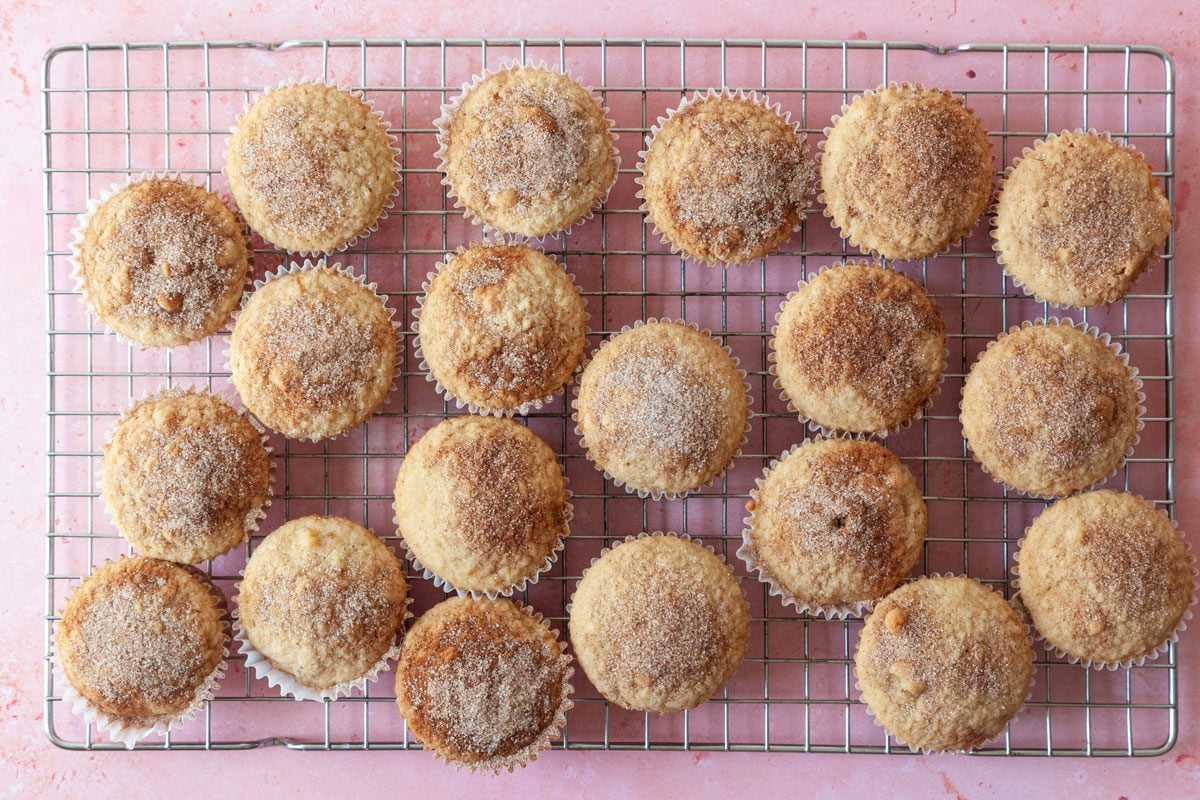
[[1079, 218], [484, 683], [835, 525], [1105, 577], [662, 408], [906, 171], [185, 476], [859, 349], [658, 623], [482, 504], [527, 151], [311, 167], [313, 352], [725, 178], [944, 663], [162, 261], [1049, 409], [501, 327]]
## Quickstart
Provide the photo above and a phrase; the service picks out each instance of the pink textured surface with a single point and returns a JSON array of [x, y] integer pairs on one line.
[[31, 767]]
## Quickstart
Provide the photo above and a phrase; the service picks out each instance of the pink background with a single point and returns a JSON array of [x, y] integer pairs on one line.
[[31, 767]]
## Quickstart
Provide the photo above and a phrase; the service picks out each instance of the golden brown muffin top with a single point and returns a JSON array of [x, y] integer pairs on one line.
[[140, 638]]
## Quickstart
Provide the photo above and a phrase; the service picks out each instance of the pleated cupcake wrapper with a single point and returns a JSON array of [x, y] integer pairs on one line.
[[128, 734], [1152, 260], [901, 85], [1127, 663], [294, 268], [654, 494], [746, 553], [724, 94], [474, 408], [254, 516], [94, 203], [389, 203], [519, 586], [813, 425], [291, 686], [1137, 387], [501, 763], [1020, 709], [449, 109]]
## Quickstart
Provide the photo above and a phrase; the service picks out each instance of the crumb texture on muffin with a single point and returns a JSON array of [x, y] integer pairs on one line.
[[1049, 409], [527, 151], [501, 326], [659, 623], [662, 408], [311, 167], [726, 179], [837, 522], [944, 663], [140, 638], [1105, 577], [1079, 218], [323, 599], [163, 262], [906, 171], [313, 353], [859, 348], [483, 683], [482, 503]]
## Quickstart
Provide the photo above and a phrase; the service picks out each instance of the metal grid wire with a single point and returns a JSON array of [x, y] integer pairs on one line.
[[112, 110]]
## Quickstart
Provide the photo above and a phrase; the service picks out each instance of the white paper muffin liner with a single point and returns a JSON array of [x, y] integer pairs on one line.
[[292, 269], [449, 109], [828, 432], [1153, 259], [291, 686], [255, 515], [1087, 663], [105, 195], [1020, 709], [523, 408], [389, 203], [127, 734], [729, 94], [1123, 356], [746, 553], [652, 493], [901, 85], [544, 740], [519, 586]]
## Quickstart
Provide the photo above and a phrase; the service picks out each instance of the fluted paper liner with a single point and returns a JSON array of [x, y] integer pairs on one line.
[[740, 94]]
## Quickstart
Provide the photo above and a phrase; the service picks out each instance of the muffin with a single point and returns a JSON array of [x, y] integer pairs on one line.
[[662, 408], [906, 171], [1078, 219], [1106, 578], [319, 606], [725, 177], [834, 525], [526, 151], [313, 352], [311, 167], [142, 645], [161, 261], [483, 683], [658, 623], [501, 328], [858, 349], [944, 663], [1049, 409], [185, 476]]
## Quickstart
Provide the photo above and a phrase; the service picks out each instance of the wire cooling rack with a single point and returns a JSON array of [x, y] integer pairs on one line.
[[113, 110]]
